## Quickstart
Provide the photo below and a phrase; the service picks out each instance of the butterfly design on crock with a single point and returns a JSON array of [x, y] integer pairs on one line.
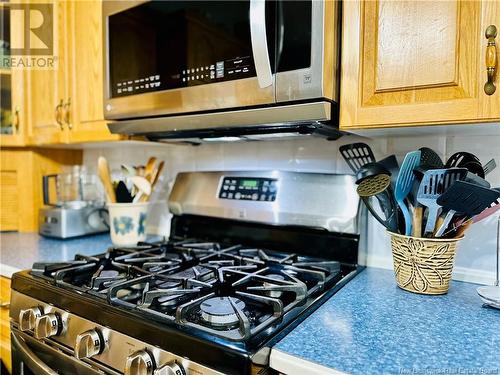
[[141, 229], [123, 224]]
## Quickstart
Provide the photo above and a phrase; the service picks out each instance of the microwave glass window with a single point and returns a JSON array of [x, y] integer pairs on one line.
[[162, 45], [294, 35]]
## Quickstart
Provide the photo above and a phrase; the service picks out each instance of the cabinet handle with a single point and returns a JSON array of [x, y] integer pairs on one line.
[[4, 305], [491, 59], [59, 115], [16, 119], [67, 114]]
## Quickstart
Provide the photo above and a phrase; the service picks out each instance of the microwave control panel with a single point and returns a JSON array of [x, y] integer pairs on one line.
[[218, 71], [249, 189]]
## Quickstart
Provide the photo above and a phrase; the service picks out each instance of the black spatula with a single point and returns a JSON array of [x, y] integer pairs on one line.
[[122, 193], [356, 155], [391, 164], [458, 159], [466, 199], [429, 158]]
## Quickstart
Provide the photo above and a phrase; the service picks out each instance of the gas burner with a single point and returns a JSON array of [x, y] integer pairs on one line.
[[273, 293], [105, 277], [221, 311]]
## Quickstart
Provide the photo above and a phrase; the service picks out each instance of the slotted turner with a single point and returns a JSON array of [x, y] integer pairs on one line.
[[487, 212], [429, 157], [356, 155], [404, 184], [489, 166], [434, 183], [464, 198]]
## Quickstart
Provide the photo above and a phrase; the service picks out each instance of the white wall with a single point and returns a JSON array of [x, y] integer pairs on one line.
[[476, 256]]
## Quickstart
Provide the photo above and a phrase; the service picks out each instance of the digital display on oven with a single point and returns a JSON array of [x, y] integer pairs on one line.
[[249, 189], [250, 183]]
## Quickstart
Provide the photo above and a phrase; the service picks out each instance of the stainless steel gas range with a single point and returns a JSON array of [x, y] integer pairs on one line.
[[250, 255]]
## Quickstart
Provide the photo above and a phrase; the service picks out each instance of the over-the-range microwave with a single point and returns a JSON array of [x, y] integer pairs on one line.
[[199, 71]]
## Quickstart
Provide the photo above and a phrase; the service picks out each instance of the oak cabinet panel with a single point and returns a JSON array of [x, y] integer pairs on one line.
[[86, 121], [66, 103], [47, 91], [13, 106], [416, 62]]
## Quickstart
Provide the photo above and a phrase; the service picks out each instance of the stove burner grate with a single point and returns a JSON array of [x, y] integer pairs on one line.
[[232, 292]]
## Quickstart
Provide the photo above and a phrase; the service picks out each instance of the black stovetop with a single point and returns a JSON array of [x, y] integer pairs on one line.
[[214, 300], [231, 292]]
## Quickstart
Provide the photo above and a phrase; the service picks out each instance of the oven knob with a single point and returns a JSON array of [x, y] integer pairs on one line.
[[27, 318], [48, 325], [140, 363], [88, 344], [172, 368]]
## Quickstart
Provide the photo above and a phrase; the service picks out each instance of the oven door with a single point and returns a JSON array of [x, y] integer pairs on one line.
[[170, 57], [32, 357]]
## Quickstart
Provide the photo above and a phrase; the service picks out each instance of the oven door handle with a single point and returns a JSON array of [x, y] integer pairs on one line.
[[258, 36], [35, 364]]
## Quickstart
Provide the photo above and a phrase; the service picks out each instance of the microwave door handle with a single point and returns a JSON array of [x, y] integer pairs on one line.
[[281, 31], [258, 36]]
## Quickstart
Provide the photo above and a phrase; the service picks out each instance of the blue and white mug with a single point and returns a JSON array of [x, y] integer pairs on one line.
[[127, 222]]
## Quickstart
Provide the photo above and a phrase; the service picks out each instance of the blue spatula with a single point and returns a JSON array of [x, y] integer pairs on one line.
[[404, 184]]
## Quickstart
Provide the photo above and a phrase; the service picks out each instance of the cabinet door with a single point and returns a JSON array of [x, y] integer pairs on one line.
[[86, 115], [12, 102], [47, 87], [414, 63]]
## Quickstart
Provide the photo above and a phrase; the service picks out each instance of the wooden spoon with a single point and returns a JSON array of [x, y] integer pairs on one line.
[[105, 176], [142, 185], [155, 176], [150, 166]]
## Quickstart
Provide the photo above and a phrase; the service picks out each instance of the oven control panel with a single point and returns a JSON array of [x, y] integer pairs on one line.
[[249, 189]]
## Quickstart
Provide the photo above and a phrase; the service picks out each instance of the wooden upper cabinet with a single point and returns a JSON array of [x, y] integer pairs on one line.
[[416, 62], [66, 103], [47, 93], [13, 124], [86, 115]]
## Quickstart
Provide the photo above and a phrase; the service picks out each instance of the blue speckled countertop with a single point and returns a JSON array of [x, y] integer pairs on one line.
[[373, 327], [369, 327], [19, 251]]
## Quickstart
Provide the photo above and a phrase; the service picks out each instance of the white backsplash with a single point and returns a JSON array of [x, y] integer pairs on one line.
[[476, 256]]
